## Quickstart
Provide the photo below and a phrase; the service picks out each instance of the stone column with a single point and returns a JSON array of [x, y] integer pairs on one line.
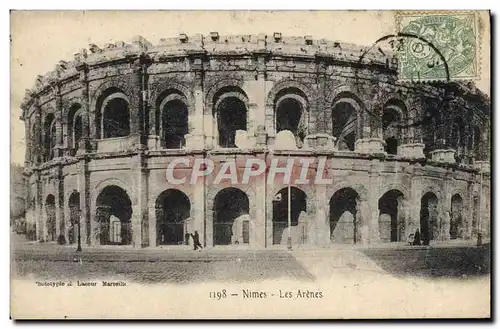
[[412, 146], [270, 124], [27, 138], [44, 229], [153, 137], [38, 134], [322, 216], [152, 224], [270, 193], [442, 152], [415, 205], [196, 119], [140, 212], [59, 200], [67, 139], [373, 196], [137, 103], [94, 222], [363, 220], [446, 208], [198, 213], [38, 207], [67, 222], [210, 193], [404, 212], [88, 115], [199, 221], [208, 127], [260, 210], [369, 133], [59, 146], [85, 208]]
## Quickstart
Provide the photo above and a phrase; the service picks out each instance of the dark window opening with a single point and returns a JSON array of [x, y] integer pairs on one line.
[[391, 145], [391, 223], [391, 130], [231, 116], [289, 117], [114, 213], [344, 125], [116, 121], [343, 217], [231, 210], [172, 211], [174, 124], [429, 217], [298, 202]]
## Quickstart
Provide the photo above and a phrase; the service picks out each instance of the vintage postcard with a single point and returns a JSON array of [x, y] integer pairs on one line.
[[250, 164]]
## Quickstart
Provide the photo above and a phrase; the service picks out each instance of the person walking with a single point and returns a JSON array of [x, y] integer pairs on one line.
[[196, 240], [416, 241]]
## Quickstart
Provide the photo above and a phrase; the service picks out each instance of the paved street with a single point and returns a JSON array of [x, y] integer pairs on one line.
[[181, 265]]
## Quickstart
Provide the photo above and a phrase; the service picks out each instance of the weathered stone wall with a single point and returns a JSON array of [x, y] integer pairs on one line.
[[260, 71]]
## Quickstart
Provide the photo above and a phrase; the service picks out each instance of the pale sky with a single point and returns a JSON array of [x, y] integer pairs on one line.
[[41, 39]]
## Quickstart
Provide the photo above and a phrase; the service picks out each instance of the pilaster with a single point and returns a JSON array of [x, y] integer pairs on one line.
[[85, 211], [196, 120], [140, 212], [372, 197], [59, 199], [152, 225], [322, 216], [83, 144], [259, 227]]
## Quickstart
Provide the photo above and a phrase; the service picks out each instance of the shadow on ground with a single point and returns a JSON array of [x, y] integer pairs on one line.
[[159, 266], [434, 262], [46, 261]]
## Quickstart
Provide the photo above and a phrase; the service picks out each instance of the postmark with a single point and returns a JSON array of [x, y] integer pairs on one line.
[[454, 34]]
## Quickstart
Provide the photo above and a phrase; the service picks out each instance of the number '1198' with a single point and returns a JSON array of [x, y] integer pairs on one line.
[[218, 294]]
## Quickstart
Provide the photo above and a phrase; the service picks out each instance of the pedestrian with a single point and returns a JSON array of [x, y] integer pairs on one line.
[[186, 238], [416, 241], [196, 240]]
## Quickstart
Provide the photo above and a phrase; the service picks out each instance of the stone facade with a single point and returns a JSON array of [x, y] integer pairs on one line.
[[102, 129]]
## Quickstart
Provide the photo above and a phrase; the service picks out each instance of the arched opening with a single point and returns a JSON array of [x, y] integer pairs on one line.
[[50, 208], [231, 217], [75, 128], [429, 217], [49, 129], [344, 123], [391, 221], [298, 215], [230, 110], [112, 114], [114, 213], [457, 229], [173, 209], [174, 124], [77, 131], [391, 119], [74, 217], [344, 213], [290, 114], [116, 118]]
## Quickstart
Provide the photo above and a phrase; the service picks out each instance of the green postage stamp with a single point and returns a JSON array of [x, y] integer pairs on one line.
[[435, 39]]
